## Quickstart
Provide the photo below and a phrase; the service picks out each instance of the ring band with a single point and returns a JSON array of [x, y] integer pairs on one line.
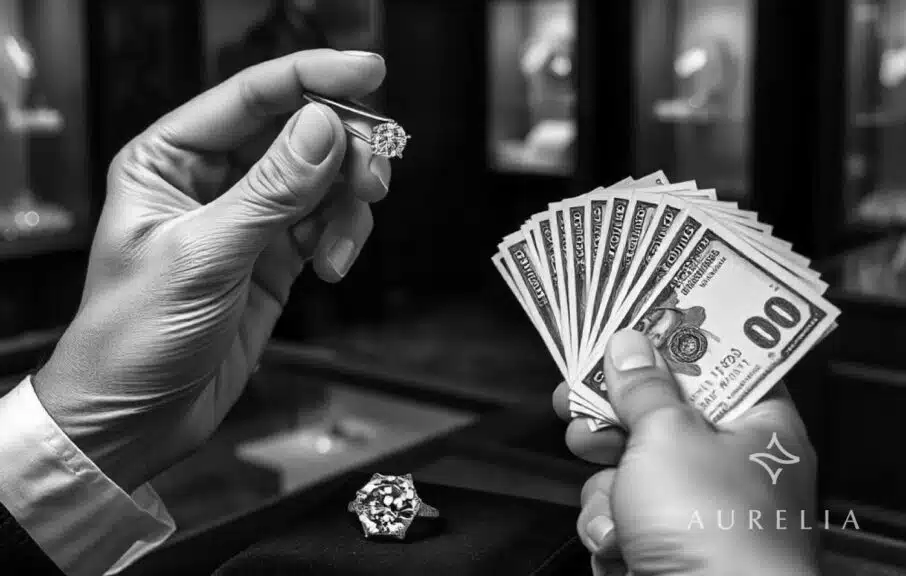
[[387, 505]]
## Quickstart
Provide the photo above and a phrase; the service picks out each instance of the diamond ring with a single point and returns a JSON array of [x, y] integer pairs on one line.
[[387, 138], [387, 505]]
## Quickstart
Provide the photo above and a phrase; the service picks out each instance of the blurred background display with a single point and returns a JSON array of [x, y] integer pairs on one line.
[[874, 187], [239, 33], [531, 81], [44, 199], [876, 107], [694, 68]]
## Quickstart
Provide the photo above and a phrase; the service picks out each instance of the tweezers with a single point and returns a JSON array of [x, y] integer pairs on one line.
[[387, 137]]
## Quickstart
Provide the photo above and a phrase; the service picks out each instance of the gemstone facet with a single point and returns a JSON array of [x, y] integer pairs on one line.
[[386, 505], [388, 139]]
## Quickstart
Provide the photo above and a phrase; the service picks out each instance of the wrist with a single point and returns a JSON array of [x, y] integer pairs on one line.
[[64, 387]]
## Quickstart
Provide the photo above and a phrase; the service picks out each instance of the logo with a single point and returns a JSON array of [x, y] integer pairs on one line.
[[761, 457]]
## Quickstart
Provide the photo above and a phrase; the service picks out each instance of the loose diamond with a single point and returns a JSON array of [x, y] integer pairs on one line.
[[388, 139], [387, 505]]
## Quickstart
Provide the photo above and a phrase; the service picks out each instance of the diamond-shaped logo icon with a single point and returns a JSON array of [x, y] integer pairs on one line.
[[761, 458]]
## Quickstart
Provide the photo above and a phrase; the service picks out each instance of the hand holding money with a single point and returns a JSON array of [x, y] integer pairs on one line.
[[686, 499], [730, 307]]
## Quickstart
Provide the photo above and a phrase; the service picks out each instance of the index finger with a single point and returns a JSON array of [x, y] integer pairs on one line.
[[225, 116]]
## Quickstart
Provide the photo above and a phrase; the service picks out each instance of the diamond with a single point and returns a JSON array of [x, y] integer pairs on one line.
[[389, 140], [387, 505]]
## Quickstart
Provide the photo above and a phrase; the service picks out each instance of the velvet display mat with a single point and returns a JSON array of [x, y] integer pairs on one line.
[[479, 533]]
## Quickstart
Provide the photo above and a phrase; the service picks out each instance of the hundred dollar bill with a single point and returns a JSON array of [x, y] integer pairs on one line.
[[671, 235], [499, 263], [577, 212], [545, 242], [598, 215], [562, 242], [550, 239], [641, 213], [758, 234], [725, 351], [746, 224], [541, 252], [596, 203], [610, 241], [665, 215], [524, 271]]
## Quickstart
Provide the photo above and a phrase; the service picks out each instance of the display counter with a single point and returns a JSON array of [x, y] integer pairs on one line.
[[472, 450]]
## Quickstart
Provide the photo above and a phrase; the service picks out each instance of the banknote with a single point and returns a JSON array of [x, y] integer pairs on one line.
[[550, 239], [726, 352], [561, 242], [641, 211], [524, 271], [576, 211], [599, 212], [729, 305], [609, 243]]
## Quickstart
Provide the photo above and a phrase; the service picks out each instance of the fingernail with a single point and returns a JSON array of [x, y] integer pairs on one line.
[[312, 136], [598, 529], [340, 255], [362, 54], [380, 167], [630, 350]]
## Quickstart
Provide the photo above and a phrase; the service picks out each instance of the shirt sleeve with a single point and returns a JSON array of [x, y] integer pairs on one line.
[[80, 518]]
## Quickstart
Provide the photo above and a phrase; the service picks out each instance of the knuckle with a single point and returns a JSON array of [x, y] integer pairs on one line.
[[272, 179], [671, 420], [250, 95], [642, 383]]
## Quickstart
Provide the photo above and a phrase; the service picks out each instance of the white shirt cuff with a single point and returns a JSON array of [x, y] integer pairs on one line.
[[79, 517]]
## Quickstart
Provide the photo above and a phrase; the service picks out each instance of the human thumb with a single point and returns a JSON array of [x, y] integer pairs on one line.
[[639, 383], [285, 185]]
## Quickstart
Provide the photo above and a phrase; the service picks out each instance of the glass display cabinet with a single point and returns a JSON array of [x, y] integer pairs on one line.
[[874, 188], [44, 170], [855, 215], [694, 75], [531, 86]]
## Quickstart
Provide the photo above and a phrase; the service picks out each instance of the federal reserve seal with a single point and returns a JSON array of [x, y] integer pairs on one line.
[[687, 344]]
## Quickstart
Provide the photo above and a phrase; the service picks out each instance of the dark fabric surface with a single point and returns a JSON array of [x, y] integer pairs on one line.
[[18, 552], [479, 533]]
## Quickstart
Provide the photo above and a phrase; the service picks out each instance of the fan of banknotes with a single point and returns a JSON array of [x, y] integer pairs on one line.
[[730, 307]]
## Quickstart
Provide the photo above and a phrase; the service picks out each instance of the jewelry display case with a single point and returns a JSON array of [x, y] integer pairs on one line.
[[694, 62], [531, 86], [875, 187], [847, 211], [874, 138], [45, 201]]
